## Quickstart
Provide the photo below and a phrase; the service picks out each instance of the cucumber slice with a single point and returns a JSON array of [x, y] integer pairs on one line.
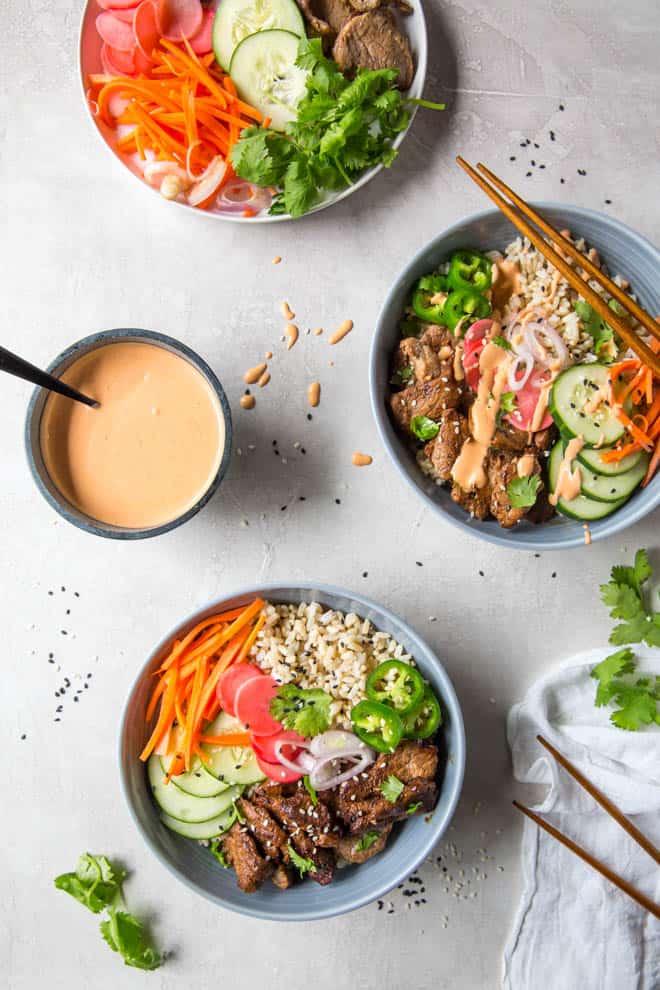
[[611, 488], [200, 830], [266, 76], [197, 781], [186, 807], [593, 459], [238, 19], [569, 394], [233, 764], [581, 507], [223, 725]]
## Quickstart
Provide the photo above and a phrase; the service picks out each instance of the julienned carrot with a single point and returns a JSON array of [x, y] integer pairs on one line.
[[230, 739], [653, 466], [229, 655], [249, 642], [165, 716], [188, 736], [218, 619]]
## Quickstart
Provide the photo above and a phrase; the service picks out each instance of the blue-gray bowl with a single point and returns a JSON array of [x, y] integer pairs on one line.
[[42, 479], [625, 253], [353, 886]]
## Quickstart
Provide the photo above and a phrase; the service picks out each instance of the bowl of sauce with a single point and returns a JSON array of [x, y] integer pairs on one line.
[[152, 453]]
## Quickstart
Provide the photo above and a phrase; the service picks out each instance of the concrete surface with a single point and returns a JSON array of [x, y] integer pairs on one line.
[[84, 247]]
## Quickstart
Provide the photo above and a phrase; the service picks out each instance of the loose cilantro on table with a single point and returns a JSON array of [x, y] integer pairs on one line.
[[303, 865], [391, 789], [367, 841], [637, 698], [522, 492], [302, 710], [342, 128], [424, 428], [97, 884]]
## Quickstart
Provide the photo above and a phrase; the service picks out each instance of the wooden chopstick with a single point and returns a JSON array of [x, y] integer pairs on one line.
[[604, 802], [579, 284], [594, 863], [594, 272]]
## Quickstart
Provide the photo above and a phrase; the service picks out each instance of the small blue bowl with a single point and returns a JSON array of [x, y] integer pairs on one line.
[[33, 428], [624, 252], [353, 886]]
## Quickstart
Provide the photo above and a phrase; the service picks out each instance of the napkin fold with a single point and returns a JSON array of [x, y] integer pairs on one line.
[[573, 929]]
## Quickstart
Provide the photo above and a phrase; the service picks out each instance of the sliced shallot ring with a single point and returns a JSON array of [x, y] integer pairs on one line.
[[516, 383], [336, 742], [320, 780], [303, 763], [208, 183]]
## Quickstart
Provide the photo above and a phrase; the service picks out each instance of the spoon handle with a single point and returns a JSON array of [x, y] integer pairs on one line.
[[17, 366]]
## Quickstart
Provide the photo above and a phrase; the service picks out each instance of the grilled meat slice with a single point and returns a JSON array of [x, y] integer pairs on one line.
[[439, 338], [509, 437], [282, 877], [541, 511], [304, 824], [420, 357], [326, 17], [373, 41], [502, 469], [476, 502], [271, 838], [431, 399], [443, 451], [252, 869], [376, 811], [349, 846]]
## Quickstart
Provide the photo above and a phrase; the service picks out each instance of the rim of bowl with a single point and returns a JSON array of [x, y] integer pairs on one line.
[[438, 826], [59, 502], [614, 523], [415, 91]]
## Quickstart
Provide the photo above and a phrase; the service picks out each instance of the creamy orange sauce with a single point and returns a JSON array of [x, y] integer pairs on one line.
[[459, 373], [152, 447], [587, 534], [596, 400], [506, 282], [494, 364], [541, 404], [525, 465], [568, 480]]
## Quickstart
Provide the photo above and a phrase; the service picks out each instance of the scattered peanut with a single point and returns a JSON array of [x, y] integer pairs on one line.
[[318, 331], [344, 329], [287, 312], [361, 460], [314, 394], [248, 402], [291, 334], [253, 375], [263, 381], [276, 259], [269, 355]]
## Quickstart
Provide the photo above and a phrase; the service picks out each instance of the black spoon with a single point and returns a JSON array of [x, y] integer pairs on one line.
[[17, 366]]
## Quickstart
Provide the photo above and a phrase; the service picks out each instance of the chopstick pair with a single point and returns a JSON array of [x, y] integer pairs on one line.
[[627, 334], [614, 813]]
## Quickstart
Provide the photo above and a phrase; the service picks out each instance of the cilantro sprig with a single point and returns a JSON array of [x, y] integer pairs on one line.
[[97, 884], [367, 840], [302, 710], [391, 789], [342, 128], [637, 698], [522, 492], [302, 864]]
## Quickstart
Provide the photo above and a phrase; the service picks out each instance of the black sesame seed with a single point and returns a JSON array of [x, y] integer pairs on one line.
[[64, 632], [562, 181], [561, 106], [532, 162], [301, 498], [23, 736], [512, 158], [50, 592], [528, 174], [481, 573], [365, 574], [552, 135], [302, 450], [608, 201], [537, 554], [554, 574], [541, 166], [419, 563], [283, 508], [309, 416], [337, 501], [536, 145], [75, 698]]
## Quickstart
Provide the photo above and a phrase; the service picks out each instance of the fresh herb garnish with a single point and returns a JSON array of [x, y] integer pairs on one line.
[[401, 376], [236, 815], [342, 128], [303, 865], [522, 492], [504, 343], [216, 850], [410, 327], [507, 405], [97, 884], [302, 710], [601, 332], [310, 790], [391, 789], [637, 698], [424, 428], [412, 808], [367, 841]]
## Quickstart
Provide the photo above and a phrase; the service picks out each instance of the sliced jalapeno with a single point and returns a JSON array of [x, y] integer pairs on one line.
[[465, 304], [428, 287], [396, 684], [423, 721], [377, 725], [470, 270]]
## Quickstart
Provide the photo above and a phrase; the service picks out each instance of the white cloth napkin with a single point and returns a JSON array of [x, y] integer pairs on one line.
[[573, 929]]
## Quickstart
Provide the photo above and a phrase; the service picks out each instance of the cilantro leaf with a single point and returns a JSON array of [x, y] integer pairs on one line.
[[412, 808], [367, 841], [522, 492], [216, 850], [95, 883], [638, 707], [303, 865], [261, 156], [593, 324], [127, 936], [621, 662], [401, 376], [310, 790], [302, 710], [424, 428], [507, 405], [503, 343], [391, 789]]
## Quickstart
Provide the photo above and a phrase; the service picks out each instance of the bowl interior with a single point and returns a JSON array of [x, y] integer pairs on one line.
[[414, 25], [353, 885], [52, 494], [623, 251]]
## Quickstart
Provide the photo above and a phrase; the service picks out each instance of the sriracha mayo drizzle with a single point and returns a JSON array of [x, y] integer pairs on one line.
[[494, 364], [149, 451], [568, 480]]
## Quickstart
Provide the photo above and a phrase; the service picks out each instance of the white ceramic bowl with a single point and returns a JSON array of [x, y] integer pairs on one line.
[[90, 62]]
